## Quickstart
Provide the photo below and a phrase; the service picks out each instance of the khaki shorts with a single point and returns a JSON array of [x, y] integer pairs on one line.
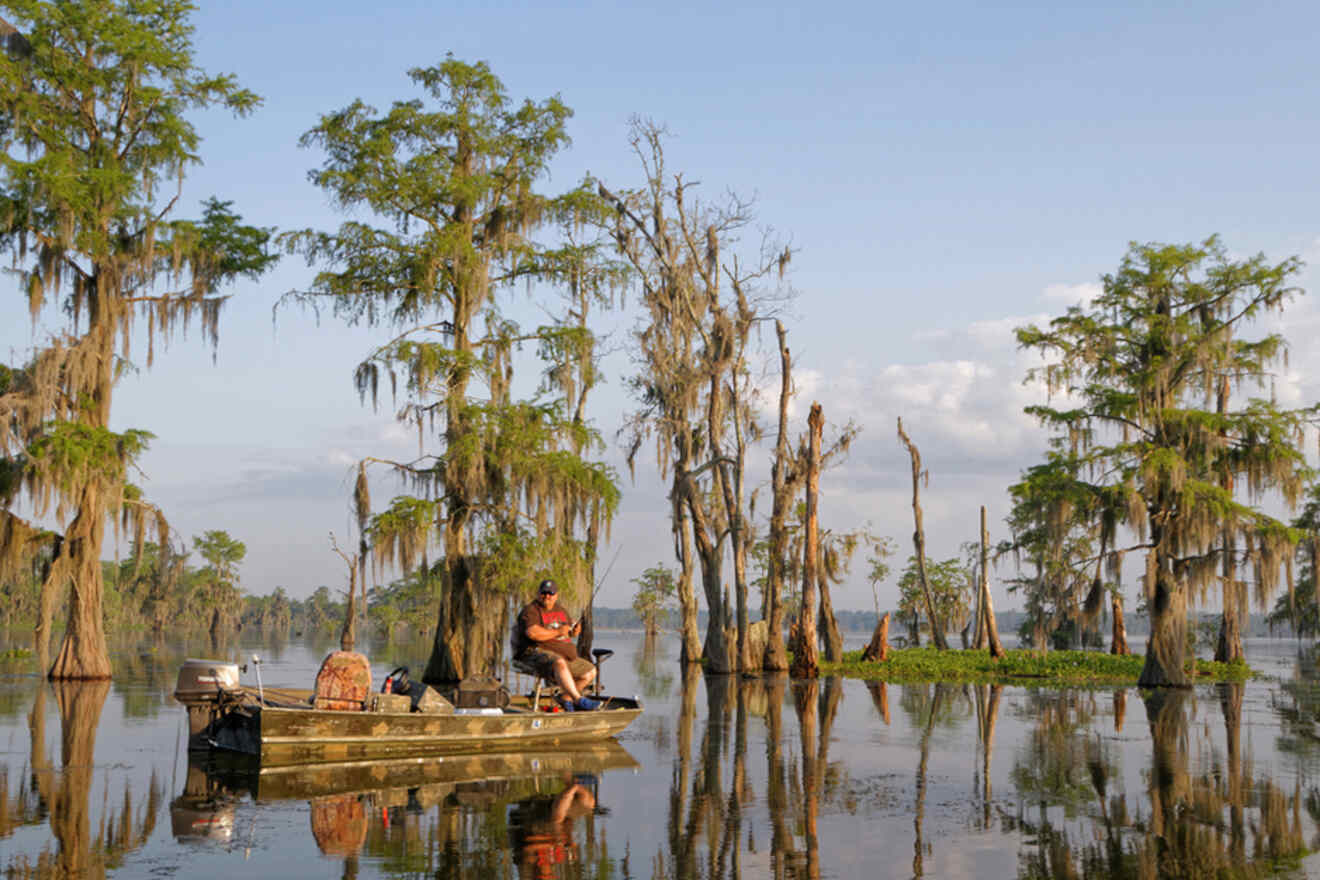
[[544, 663]]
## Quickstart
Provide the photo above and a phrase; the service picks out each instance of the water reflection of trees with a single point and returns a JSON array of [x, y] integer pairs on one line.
[[1296, 703], [1220, 821], [711, 787], [655, 678], [61, 794], [1055, 764]]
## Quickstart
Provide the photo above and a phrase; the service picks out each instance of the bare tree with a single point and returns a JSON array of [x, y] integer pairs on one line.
[[785, 475], [919, 538], [985, 623], [694, 384], [348, 634]]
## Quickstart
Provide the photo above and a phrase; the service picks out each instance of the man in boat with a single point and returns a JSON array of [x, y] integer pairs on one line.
[[543, 639]]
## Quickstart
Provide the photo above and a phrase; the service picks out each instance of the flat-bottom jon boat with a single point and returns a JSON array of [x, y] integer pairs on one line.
[[281, 726]]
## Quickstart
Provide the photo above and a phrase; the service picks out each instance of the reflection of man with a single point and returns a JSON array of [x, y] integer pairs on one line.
[[543, 639], [542, 831]]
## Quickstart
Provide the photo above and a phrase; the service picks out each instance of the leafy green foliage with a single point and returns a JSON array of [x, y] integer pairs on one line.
[[950, 589], [1056, 527], [95, 141], [1298, 607], [446, 189], [1149, 437], [410, 600], [69, 454], [217, 582], [882, 548], [1050, 668], [656, 590]]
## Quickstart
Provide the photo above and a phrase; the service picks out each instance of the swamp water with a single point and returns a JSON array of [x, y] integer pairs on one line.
[[720, 778]]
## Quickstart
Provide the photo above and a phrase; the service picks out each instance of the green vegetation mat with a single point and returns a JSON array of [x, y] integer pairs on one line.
[[910, 665]]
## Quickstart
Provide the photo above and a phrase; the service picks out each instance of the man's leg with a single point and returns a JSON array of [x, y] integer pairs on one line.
[[565, 678], [585, 679]]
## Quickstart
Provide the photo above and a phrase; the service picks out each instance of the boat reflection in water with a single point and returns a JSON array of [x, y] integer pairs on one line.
[[464, 815]]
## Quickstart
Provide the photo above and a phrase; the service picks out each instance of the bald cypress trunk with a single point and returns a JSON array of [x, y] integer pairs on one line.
[[690, 649], [782, 479], [1168, 631], [827, 626], [83, 653], [1229, 647], [805, 655], [987, 621], [471, 628], [877, 651]]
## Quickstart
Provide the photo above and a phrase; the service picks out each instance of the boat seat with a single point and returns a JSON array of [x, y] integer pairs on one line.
[[539, 681], [598, 656], [343, 682]]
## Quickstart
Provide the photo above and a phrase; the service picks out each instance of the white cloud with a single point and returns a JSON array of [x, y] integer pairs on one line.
[[340, 457], [965, 410], [397, 433], [1311, 253], [1072, 294], [991, 335]]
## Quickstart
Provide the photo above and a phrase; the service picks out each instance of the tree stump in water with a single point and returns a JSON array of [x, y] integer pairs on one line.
[[758, 634], [878, 649]]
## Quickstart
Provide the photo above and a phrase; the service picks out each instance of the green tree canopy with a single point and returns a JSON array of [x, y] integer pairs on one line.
[[1149, 438], [446, 189], [93, 148], [217, 583], [950, 591], [656, 588], [1058, 542]]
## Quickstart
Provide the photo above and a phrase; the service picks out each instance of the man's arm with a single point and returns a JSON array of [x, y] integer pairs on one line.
[[539, 633]]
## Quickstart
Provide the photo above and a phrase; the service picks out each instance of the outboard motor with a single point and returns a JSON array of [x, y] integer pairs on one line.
[[199, 687]]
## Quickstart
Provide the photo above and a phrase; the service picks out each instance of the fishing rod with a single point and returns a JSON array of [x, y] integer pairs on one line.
[[591, 603]]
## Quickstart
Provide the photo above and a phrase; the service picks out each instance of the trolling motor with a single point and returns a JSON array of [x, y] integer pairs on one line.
[[396, 682]]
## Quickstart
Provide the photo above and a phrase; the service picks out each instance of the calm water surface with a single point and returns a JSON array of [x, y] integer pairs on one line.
[[718, 779]]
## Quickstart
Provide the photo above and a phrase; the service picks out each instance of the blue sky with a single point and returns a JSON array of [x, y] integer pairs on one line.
[[945, 171]]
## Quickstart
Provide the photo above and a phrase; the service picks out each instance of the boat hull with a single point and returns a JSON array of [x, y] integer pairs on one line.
[[282, 736]]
